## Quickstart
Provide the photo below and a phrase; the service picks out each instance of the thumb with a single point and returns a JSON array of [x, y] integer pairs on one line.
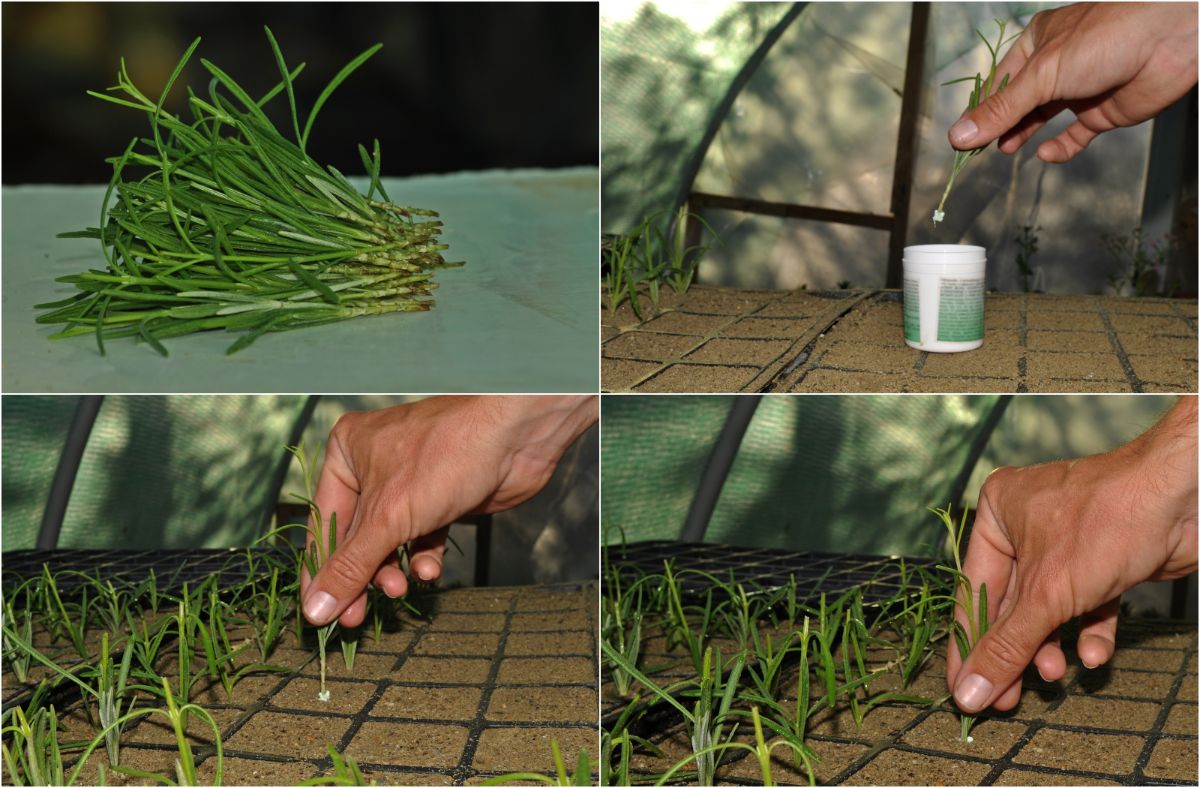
[[344, 576], [1002, 111], [1002, 654]]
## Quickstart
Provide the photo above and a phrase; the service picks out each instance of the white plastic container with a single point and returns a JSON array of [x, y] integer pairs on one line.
[[943, 297]]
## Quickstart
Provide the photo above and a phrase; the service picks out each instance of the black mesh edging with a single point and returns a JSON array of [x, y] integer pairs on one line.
[[1033, 724], [462, 771], [766, 567], [172, 568]]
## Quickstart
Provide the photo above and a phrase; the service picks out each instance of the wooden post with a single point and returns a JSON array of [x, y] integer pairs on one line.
[[906, 141]]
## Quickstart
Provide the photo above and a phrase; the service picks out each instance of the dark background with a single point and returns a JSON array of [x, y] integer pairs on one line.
[[457, 86]]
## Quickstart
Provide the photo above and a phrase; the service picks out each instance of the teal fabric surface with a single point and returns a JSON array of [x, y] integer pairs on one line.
[[521, 316]]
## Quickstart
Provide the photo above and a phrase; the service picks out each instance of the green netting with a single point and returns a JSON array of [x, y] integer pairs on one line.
[[177, 472], [666, 68], [34, 428], [1041, 428], [839, 474], [846, 474]]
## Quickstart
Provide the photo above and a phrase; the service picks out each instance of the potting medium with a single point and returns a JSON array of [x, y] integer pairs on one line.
[[943, 297]]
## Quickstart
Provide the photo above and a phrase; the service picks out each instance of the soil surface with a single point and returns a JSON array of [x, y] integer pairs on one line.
[[1173, 759], [720, 340], [528, 749], [1092, 752], [406, 744], [898, 767], [571, 704]]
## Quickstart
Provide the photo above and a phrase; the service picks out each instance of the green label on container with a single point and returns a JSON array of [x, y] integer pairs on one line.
[[912, 310], [960, 315]]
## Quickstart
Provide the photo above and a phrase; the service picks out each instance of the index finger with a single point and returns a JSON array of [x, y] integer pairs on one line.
[[337, 493], [1003, 110], [990, 561]]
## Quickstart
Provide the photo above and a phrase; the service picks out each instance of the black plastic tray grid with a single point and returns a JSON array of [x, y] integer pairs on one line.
[[172, 568], [760, 567]]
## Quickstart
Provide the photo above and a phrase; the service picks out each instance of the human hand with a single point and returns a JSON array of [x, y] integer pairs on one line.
[[403, 474], [1112, 64], [1066, 539]]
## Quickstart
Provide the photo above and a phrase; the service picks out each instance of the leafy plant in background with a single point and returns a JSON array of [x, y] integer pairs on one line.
[[219, 652], [650, 255], [73, 624], [678, 623], [236, 227], [1027, 246], [1141, 264], [979, 93], [268, 615]]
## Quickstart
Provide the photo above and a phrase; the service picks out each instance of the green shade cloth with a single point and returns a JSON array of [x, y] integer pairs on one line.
[[521, 316], [175, 472], [830, 474]]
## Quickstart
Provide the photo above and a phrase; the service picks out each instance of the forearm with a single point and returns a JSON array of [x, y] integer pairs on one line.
[[545, 425], [1163, 461]]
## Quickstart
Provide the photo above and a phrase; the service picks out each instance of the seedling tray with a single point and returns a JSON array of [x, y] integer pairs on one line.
[[1132, 722], [480, 689], [766, 568], [726, 340]]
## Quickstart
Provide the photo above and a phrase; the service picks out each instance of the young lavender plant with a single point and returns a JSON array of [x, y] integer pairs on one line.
[[322, 545], [714, 691], [17, 659], [622, 624], [268, 616], [981, 92], [74, 625], [34, 757], [964, 597]]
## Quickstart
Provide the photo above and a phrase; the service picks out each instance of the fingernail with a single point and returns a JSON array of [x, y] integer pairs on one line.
[[319, 607], [972, 693], [425, 572], [1089, 667], [963, 132]]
